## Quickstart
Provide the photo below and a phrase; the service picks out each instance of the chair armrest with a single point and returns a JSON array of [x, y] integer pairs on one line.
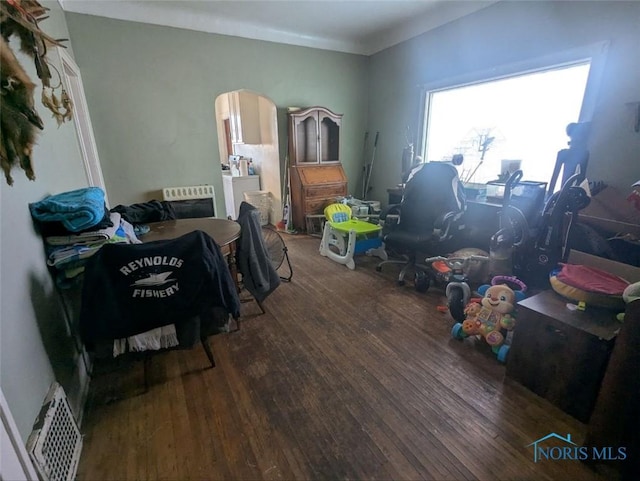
[[391, 209], [442, 225]]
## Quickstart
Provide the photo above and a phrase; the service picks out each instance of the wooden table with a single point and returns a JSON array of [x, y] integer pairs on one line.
[[224, 232]]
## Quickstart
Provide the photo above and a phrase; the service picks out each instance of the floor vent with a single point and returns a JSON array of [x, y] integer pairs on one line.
[[55, 442]]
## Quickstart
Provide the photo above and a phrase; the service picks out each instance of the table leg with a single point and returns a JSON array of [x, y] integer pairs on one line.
[[233, 268]]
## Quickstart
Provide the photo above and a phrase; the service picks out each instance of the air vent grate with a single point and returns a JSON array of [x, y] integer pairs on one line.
[[55, 442]]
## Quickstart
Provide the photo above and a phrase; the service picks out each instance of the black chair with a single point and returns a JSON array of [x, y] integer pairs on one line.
[[130, 289], [253, 258], [430, 213]]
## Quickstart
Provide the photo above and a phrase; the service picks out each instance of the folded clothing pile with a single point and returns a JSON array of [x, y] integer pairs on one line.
[[75, 225], [77, 210], [61, 250]]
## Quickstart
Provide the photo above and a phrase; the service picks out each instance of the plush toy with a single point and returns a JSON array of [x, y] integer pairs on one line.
[[491, 318]]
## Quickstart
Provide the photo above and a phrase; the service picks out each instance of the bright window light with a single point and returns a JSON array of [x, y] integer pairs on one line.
[[522, 117]]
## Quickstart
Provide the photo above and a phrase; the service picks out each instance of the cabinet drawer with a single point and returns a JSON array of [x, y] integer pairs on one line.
[[316, 206], [326, 190]]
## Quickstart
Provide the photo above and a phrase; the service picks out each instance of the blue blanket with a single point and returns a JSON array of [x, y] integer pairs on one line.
[[77, 209]]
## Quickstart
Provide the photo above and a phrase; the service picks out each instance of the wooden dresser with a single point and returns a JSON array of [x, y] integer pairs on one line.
[[316, 174]]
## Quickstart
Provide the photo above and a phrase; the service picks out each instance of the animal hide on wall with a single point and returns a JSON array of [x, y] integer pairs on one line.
[[18, 116], [19, 120]]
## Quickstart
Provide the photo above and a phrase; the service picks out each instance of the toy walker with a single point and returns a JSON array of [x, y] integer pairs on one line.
[[349, 236], [493, 317]]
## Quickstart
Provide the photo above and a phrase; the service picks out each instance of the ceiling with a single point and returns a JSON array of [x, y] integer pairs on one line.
[[352, 26]]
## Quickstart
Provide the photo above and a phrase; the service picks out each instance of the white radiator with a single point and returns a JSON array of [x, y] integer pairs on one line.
[[188, 193], [191, 201], [55, 442]]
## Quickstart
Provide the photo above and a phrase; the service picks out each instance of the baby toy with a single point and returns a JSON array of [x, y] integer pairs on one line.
[[493, 317]]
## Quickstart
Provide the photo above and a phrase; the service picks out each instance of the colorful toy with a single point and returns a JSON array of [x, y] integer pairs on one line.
[[349, 236], [493, 317], [451, 273]]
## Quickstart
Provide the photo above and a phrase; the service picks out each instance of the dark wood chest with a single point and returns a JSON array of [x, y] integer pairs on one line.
[[561, 354]]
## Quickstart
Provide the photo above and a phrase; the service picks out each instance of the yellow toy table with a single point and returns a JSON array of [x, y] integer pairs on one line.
[[349, 236]]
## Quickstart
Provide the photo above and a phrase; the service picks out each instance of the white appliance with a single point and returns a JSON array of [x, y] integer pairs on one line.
[[234, 189]]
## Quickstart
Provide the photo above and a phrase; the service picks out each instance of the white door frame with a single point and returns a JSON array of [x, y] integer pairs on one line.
[[72, 81], [15, 463]]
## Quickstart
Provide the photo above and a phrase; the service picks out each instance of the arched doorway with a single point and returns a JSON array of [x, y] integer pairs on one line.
[[247, 126]]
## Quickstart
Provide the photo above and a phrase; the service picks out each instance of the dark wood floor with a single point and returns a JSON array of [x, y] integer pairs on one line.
[[347, 376]]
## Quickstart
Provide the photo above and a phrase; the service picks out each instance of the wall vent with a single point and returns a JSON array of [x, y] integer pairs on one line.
[[55, 442]]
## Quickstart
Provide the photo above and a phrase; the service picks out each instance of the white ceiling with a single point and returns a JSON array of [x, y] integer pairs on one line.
[[362, 27]]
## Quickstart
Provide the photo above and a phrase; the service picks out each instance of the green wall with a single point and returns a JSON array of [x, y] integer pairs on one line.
[[508, 33], [151, 92], [35, 348], [151, 89]]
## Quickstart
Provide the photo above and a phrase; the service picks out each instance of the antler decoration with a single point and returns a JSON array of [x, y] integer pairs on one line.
[[19, 117]]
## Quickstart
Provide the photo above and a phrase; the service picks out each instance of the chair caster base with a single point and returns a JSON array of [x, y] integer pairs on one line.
[[421, 281]]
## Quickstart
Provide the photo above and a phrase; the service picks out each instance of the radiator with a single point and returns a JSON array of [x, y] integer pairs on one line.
[[191, 201], [55, 443], [188, 193]]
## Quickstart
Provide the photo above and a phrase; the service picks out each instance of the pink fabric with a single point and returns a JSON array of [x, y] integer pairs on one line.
[[591, 279]]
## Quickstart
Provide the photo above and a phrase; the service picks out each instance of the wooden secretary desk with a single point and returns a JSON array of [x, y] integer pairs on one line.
[[316, 174]]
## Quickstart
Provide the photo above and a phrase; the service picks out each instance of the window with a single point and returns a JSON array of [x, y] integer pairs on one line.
[[514, 117]]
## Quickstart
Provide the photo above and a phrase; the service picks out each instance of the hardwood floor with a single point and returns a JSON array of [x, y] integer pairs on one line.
[[347, 376]]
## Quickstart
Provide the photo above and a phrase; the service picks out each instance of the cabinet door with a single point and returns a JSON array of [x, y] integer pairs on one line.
[[306, 139], [314, 136], [244, 119], [329, 144], [234, 118], [249, 118]]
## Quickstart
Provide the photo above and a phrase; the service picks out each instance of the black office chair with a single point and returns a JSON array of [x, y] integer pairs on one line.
[[430, 213]]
